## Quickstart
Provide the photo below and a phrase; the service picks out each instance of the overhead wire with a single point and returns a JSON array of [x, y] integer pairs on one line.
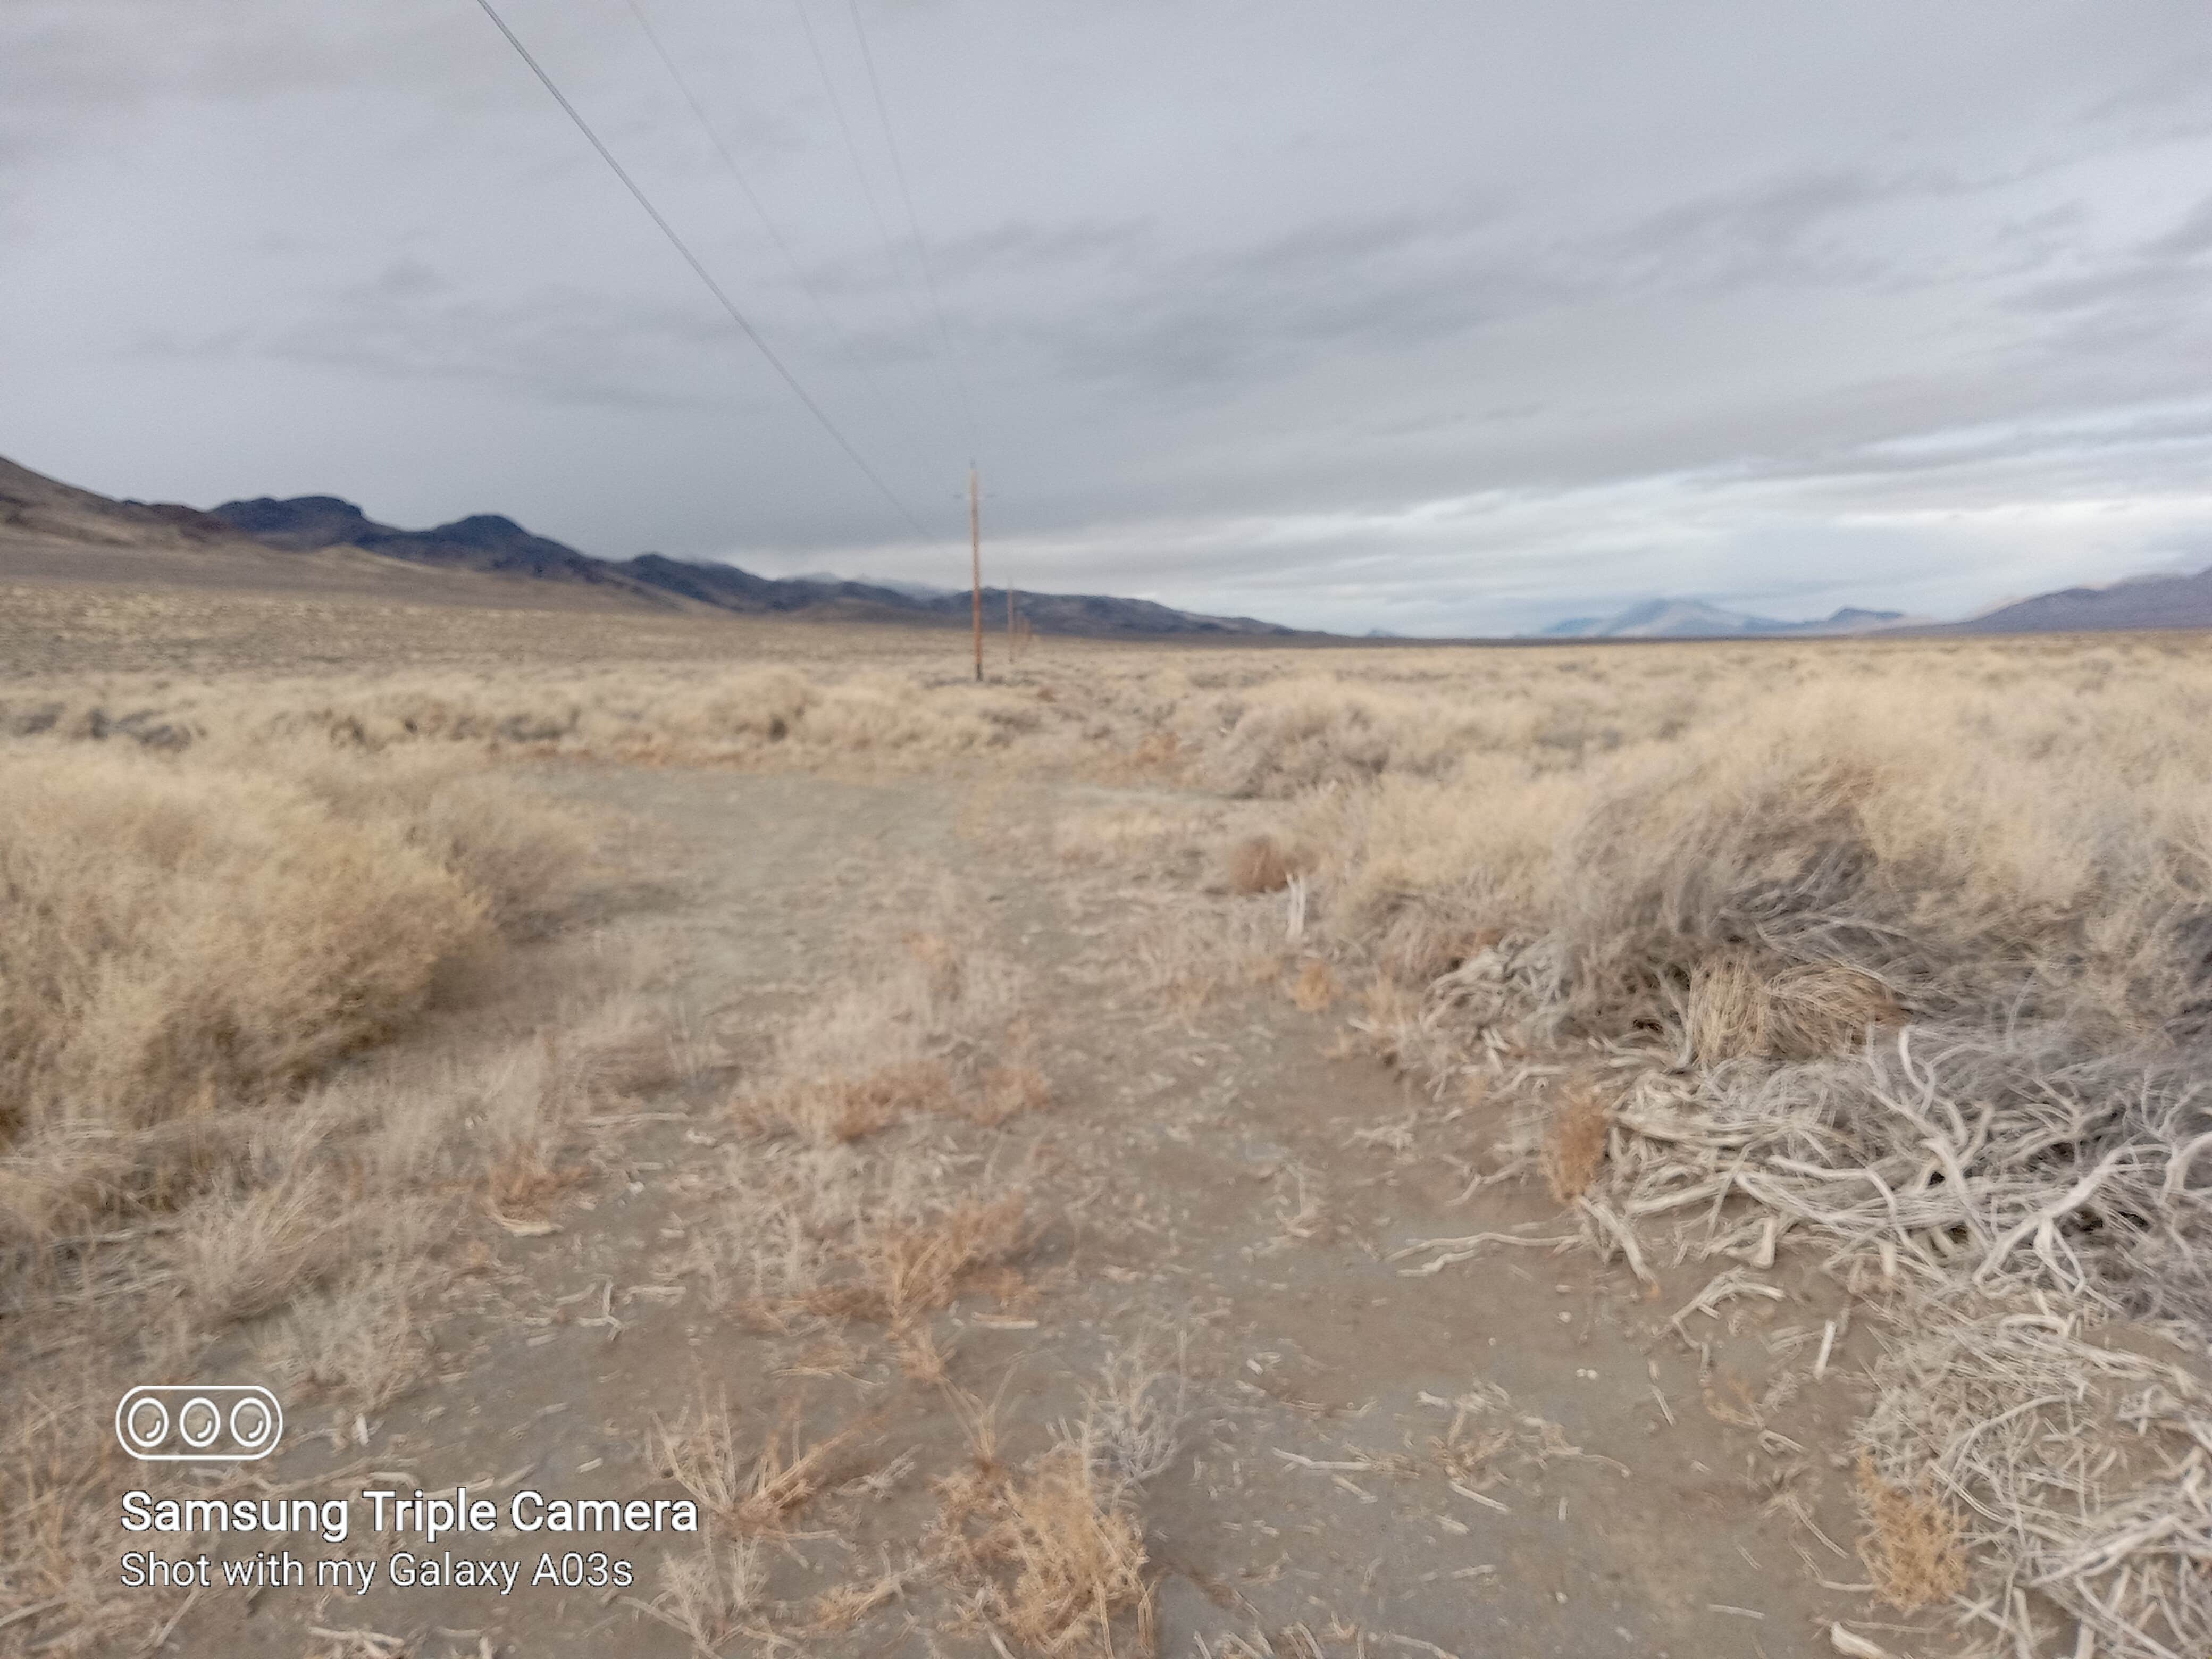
[[767, 224], [859, 169], [914, 224], [799, 390]]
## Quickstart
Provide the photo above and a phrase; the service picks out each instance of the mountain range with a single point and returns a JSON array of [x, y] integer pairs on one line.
[[488, 542], [2160, 601], [2153, 601], [1693, 619], [322, 543]]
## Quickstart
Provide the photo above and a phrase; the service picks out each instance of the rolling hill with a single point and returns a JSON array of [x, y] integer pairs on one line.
[[2138, 602]]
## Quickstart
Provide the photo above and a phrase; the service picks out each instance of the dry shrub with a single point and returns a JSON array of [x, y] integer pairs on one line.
[[179, 936], [1008, 1091], [1261, 863], [521, 854], [1970, 854], [920, 1359], [1134, 1418], [848, 1108], [1914, 1546], [1057, 1554], [911, 1267], [1307, 732], [1316, 990], [764, 704], [707, 1596], [67, 1178], [700, 1452], [1574, 1142], [784, 1479]]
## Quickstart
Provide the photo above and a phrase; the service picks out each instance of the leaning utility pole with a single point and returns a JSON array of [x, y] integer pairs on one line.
[[976, 565]]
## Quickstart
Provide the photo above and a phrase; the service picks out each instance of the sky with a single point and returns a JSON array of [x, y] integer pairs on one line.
[[1418, 315]]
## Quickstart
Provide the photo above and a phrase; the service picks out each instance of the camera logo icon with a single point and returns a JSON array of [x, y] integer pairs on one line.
[[208, 1423]]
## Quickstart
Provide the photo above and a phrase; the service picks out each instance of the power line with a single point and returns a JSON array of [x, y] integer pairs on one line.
[[704, 275], [914, 224], [860, 170], [760, 211]]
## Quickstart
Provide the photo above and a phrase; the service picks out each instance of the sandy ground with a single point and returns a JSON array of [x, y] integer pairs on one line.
[[1224, 1181]]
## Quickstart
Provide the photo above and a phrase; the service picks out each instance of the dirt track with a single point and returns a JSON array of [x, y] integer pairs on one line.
[[1208, 1176]]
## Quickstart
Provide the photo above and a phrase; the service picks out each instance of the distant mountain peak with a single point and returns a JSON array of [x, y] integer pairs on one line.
[[1697, 619], [301, 524]]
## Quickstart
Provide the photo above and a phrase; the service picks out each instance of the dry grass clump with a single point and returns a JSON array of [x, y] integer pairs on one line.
[[849, 1106], [1914, 1546], [700, 1451], [1055, 1554], [708, 1596], [1008, 1091], [1574, 1142], [1202, 949], [1812, 1011], [319, 1222], [1261, 863], [240, 1254], [909, 1267], [1316, 990], [1134, 1418], [1125, 835], [363, 1341], [930, 1027]]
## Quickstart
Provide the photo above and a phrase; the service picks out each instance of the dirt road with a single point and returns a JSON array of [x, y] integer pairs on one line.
[[1496, 1446]]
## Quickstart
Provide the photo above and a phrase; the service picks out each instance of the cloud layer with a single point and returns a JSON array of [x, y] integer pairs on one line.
[[1431, 318]]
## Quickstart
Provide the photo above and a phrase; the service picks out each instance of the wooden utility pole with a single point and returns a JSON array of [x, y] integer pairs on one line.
[[1010, 621], [975, 564]]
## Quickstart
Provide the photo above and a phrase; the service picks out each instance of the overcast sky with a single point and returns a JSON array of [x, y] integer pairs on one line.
[[1413, 314]]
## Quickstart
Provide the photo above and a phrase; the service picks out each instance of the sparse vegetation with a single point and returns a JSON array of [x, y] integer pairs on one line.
[[1898, 950]]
